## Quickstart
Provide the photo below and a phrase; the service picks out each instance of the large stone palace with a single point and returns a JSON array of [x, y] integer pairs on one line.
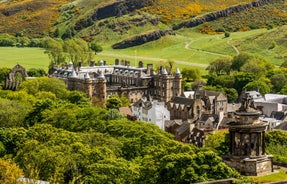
[[102, 81]]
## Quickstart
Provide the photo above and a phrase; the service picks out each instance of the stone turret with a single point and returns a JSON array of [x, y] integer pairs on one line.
[[177, 83], [87, 85], [100, 90]]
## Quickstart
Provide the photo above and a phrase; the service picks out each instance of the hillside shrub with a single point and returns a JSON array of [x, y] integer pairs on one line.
[[226, 34]]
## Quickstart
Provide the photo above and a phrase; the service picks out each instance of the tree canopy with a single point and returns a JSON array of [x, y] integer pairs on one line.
[[58, 136], [246, 71]]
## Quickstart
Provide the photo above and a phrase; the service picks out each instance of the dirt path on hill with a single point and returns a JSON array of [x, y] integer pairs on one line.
[[153, 59], [187, 44], [233, 46]]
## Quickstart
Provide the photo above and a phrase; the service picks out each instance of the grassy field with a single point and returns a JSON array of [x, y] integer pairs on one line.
[[189, 46], [187, 49], [27, 57], [275, 177]]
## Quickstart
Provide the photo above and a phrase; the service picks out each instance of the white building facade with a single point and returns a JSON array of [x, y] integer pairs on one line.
[[151, 111]]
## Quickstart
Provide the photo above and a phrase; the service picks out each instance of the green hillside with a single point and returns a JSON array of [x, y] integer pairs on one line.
[[186, 48], [257, 30], [199, 50]]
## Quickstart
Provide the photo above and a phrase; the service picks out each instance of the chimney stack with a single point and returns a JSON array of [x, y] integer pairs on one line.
[[92, 63]]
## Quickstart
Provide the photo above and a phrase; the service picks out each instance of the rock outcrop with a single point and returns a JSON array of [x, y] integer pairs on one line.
[[115, 9], [120, 8], [143, 38], [218, 14]]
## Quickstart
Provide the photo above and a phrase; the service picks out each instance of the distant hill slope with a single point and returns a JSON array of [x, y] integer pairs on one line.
[[120, 21], [116, 21], [36, 18], [269, 15], [33, 18], [227, 12]]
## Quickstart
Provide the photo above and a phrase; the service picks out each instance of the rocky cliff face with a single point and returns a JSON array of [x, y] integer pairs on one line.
[[119, 8], [141, 39], [222, 13], [115, 9]]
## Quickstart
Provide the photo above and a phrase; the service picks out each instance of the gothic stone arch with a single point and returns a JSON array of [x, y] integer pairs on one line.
[[12, 82]]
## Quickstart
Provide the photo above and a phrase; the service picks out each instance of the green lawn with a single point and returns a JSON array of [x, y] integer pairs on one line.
[[27, 57], [275, 177]]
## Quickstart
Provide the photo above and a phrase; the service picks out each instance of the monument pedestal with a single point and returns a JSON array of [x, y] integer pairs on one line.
[[247, 142], [254, 166]]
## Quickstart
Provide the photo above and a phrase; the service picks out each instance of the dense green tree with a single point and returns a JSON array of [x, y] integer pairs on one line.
[[21, 96], [22, 41], [12, 139], [36, 72], [43, 95], [125, 101], [220, 66], [241, 79], [113, 114], [113, 170], [13, 113], [190, 74], [258, 66], [74, 118], [276, 142], [34, 42], [54, 49], [221, 80], [7, 40], [61, 156], [79, 98], [278, 81], [231, 94], [218, 142], [54, 85], [114, 102], [257, 85], [283, 90], [125, 152], [239, 60], [77, 50], [284, 65], [213, 88], [69, 33], [35, 115], [96, 47], [4, 73], [65, 141]]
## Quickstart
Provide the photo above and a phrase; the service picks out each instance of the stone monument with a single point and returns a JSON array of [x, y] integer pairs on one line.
[[247, 148]]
